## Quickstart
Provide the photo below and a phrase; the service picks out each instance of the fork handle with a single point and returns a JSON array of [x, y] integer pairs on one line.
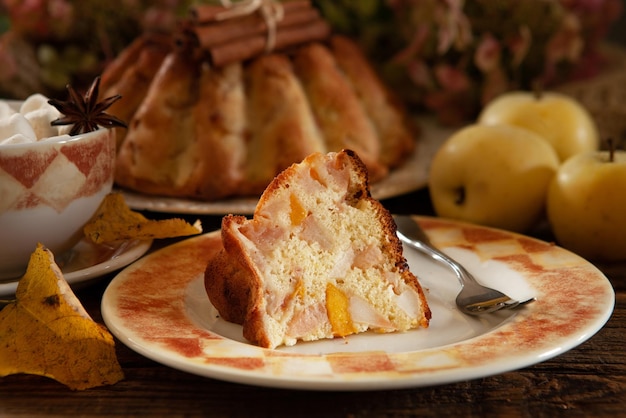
[[462, 275]]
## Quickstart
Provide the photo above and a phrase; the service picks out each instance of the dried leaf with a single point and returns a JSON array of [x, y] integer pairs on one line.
[[115, 221], [47, 332]]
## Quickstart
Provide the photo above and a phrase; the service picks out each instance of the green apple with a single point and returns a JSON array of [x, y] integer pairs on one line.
[[586, 205], [493, 175], [560, 119]]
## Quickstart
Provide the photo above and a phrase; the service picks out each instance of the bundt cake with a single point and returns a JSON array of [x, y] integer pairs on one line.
[[319, 259], [131, 73], [196, 130]]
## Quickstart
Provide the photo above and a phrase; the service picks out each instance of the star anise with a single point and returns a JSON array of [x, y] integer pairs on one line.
[[86, 113]]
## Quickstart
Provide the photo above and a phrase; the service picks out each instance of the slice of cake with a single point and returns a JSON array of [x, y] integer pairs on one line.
[[319, 259]]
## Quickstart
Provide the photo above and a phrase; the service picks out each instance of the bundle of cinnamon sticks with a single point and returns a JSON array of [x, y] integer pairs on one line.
[[229, 37]]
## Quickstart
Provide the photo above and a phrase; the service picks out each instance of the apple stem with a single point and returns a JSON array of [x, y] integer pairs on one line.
[[611, 144], [460, 196]]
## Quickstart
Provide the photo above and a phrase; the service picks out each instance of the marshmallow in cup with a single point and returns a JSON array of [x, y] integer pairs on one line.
[[29, 121]]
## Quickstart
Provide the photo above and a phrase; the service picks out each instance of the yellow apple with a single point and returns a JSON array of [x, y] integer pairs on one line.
[[560, 119], [586, 205], [493, 175]]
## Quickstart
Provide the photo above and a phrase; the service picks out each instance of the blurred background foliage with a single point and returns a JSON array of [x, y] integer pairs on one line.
[[444, 56]]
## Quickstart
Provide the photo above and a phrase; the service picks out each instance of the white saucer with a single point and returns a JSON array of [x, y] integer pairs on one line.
[[87, 261]]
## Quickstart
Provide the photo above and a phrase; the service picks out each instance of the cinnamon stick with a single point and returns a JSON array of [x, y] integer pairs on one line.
[[250, 26], [246, 48], [228, 37]]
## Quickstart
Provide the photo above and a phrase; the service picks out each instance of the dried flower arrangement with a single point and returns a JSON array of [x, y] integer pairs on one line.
[[445, 56], [452, 56]]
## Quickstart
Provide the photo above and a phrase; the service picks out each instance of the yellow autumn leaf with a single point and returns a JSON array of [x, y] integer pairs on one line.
[[115, 221], [47, 332]]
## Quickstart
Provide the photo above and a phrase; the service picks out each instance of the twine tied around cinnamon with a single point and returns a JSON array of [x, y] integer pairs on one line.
[[241, 30], [270, 10]]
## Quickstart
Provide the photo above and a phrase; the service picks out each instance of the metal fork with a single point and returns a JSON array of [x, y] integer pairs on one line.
[[474, 298]]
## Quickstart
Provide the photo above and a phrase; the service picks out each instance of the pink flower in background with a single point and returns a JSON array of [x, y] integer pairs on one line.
[[452, 79], [61, 11], [28, 16], [420, 74], [567, 42], [595, 16], [161, 15], [451, 108], [519, 44], [493, 47], [488, 53], [450, 100], [488, 59], [41, 19], [415, 46], [565, 46], [455, 29]]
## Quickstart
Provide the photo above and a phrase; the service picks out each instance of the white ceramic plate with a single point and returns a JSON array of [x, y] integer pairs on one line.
[[87, 261], [158, 307], [411, 176]]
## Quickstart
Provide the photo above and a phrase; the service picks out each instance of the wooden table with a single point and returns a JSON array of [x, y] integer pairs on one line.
[[589, 380]]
